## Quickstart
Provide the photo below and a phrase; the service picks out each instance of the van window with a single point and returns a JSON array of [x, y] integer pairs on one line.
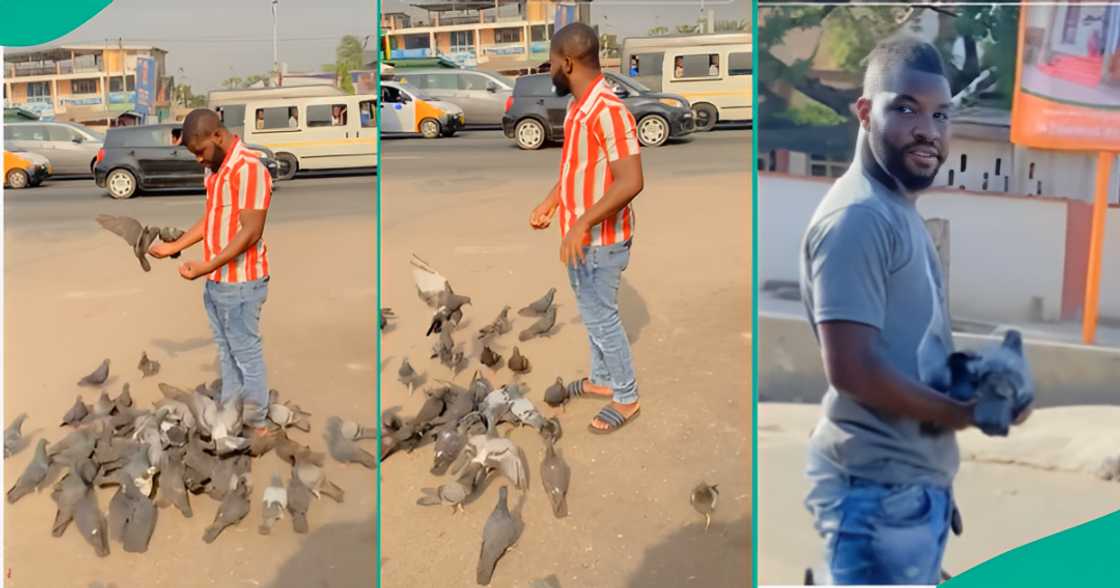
[[327, 115], [232, 115], [139, 137], [473, 82], [26, 133], [61, 133], [439, 82], [368, 117], [696, 66], [649, 64], [739, 64], [276, 118]]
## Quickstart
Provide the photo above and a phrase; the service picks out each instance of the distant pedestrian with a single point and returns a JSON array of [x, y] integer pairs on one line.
[[713, 65], [633, 66]]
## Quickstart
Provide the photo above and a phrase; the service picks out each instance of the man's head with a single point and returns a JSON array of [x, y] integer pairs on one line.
[[905, 111], [574, 54], [205, 137]]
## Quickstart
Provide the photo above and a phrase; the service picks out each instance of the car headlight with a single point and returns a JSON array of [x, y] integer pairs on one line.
[[671, 102]]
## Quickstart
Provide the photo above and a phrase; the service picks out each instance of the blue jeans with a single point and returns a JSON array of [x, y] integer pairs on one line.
[[595, 283], [879, 534], [235, 317]]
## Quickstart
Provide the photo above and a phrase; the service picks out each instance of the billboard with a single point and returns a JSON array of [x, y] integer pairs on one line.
[[145, 84], [1067, 91]]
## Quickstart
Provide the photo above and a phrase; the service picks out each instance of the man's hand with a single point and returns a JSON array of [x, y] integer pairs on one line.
[[571, 248], [161, 250], [191, 269], [541, 217]]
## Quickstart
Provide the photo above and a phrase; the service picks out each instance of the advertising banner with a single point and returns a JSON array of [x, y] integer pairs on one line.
[[145, 84]]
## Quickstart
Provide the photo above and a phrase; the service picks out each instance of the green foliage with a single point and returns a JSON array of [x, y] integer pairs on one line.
[[344, 81], [733, 26], [812, 114], [233, 83], [658, 31], [685, 29], [349, 52]]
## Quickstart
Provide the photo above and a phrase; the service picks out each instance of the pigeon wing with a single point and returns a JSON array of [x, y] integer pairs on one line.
[[126, 227]]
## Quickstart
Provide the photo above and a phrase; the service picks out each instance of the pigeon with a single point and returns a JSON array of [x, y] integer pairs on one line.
[[448, 312], [490, 359], [147, 366], [120, 506], [234, 507], [541, 327], [446, 351], [704, 499], [383, 317], [456, 492], [77, 413], [407, 376], [502, 454], [449, 444], [33, 475], [311, 475], [551, 431], [76, 502], [526, 414], [124, 400], [495, 406], [170, 235], [556, 394], [13, 435], [141, 522], [555, 476], [284, 416], [133, 233], [500, 326], [344, 450], [357, 432], [539, 306], [273, 504], [431, 409], [97, 377], [299, 501], [518, 363], [498, 535], [172, 488]]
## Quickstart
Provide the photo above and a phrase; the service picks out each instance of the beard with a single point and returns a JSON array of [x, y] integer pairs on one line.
[[561, 82], [216, 162], [893, 161]]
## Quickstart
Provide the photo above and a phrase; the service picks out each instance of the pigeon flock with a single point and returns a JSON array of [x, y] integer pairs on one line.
[[188, 443], [462, 423]]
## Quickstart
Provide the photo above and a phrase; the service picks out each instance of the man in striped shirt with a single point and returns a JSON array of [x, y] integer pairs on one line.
[[600, 174], [235, 258]]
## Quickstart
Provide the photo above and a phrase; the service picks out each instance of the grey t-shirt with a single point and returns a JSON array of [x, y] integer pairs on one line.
[[868, 258]]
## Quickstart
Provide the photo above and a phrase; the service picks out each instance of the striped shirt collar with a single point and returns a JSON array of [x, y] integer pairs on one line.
[[589, 99], [232, 153]]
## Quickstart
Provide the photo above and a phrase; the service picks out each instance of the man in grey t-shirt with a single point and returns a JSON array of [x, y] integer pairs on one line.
[[872, 285]]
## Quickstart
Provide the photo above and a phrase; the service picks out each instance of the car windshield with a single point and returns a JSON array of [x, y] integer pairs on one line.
[[507, 81], [631, 84], [97, 136], [416, 93]]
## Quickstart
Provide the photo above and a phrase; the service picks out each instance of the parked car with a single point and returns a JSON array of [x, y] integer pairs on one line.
[[149, 158], [70, 147], [481, 94], [23, 168], [535, 114]]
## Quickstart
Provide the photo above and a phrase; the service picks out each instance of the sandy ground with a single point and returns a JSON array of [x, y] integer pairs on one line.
[[1011, 491], [76, 296], [685, 303]]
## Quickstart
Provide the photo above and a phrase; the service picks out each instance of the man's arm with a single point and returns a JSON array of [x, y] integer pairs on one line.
[[628, 183], [541, 216], [192, 236], [252, 229], [854, 364]]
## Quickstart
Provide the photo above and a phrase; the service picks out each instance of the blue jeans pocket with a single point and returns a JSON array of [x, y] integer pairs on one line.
[[906, 507]]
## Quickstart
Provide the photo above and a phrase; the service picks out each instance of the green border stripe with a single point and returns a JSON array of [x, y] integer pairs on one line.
[[754, 298], [28, 24], [377, 359]]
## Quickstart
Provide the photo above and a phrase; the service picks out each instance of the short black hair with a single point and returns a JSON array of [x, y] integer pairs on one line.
[[200, 123], [577, 41], [909, 52]]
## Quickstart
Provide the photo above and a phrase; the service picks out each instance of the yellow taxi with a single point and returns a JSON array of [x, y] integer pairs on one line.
[[23, 169]]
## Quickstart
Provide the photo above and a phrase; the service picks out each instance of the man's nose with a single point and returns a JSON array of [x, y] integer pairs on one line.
[[926, 129]]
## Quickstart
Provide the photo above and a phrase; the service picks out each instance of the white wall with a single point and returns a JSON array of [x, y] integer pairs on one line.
[[1004, 250]]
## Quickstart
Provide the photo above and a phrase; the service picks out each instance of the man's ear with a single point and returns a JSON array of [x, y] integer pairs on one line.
[[863, 112]]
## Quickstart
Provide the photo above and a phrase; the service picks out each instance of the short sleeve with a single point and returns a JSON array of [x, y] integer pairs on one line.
[[254, 186], [848, 256], [617, 131]]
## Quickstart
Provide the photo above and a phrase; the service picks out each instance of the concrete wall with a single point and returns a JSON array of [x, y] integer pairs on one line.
[[1004, 250]]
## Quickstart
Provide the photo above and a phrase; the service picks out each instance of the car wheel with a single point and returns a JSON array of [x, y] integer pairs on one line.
[[430, 128], [529, 134], [286, 166], [121, 184], [17, 179], [653, 130], [706, 116]]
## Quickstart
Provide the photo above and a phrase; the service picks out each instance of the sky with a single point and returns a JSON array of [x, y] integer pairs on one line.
[[630, 18], [212, 40]]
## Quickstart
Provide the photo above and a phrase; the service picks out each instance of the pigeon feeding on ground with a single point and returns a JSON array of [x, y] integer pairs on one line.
[[500, 326], [555, 477], [147, 366], [33, 475], [13, 435], [704, 499], [518, 363], [540, 306], [498, 535], [97, 377], [344, 450], [490, 359], [541, 327], [273, 504], [234, 507]]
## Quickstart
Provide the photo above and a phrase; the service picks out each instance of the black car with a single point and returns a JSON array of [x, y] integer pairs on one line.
[[535, 114], [149, 158]]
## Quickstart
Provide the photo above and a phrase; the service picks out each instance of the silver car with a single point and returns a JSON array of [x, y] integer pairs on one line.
[[71, 148], [482, 95]]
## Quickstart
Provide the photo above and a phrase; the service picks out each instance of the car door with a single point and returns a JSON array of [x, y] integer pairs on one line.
[[66, 152], [398, 111], [480, 103], [183, 169], [36, 139], [157, 158], [444, 86]]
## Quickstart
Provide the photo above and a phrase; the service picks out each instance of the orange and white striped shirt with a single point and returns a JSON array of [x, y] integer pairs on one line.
[[241, 183], [598, 129]]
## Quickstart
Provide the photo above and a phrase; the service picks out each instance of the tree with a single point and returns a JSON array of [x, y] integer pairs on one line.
[[733, 26], [349, 52], [345, 80], [253, 79], [685, 29], [658, 31], [233, 83]]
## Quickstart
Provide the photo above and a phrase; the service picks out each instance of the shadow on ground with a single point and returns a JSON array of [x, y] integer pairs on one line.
[[336, 556], [632, 307], [692, 557]]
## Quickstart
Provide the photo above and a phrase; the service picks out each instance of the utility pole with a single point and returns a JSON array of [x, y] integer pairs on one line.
[[275, 47]]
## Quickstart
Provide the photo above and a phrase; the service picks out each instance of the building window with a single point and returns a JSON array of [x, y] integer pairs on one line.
[[739, 64], [539, 32], [823, 167], [39, 92], [462, 41], [83, 86], [512, 35], [115, 84]]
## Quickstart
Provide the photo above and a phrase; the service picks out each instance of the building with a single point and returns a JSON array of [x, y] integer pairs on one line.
[[91, 84], [509, 36]]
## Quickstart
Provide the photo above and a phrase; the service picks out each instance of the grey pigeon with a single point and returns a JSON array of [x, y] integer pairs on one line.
[[556, 394], [120, 506], [555, 477], [124, 400], [77, 413], [13, 435], [523, 410], [312, 476], [498, 535], [407, 375], [33, 475], [518, 363], [172, 488], [299, 501], [97, 377], [456, 492], [500, 326], [103, 405], [433, 407], [170, 234], [285, 416], [541, 327], [490, 359], [449, 444], [76, 502], [344, 450], [704, 499], [551, 431], [501, 453], [449, 311], [357, 432], [273, 504], [540, 305], [147, 366], [234, 507], [135, 234], [141, 521]]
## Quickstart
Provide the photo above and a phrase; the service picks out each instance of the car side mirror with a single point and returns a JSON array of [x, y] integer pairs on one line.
[[621, 92], [77, 140], [491, 87]]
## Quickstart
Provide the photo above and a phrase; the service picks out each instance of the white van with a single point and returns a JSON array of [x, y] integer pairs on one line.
[[322, 132], [714, 72]]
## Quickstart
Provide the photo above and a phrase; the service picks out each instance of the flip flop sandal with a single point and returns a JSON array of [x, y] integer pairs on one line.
[[575, 389], [614, 420]]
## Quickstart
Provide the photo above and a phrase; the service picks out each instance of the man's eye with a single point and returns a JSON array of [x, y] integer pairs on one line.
[[904, 109], [941, 116]]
